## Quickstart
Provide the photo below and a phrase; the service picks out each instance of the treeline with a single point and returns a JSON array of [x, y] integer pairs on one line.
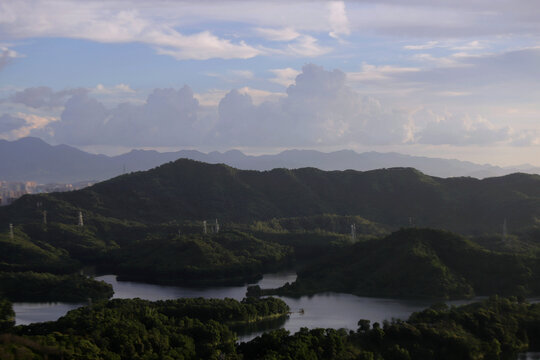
[[495, 329], [46, 287], [139, 329]]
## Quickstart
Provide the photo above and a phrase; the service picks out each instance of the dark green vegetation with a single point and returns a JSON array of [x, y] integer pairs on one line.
[[35, 270], [6, 315], [226, 257], [46, 287], [148, 226], [138, 329], [191, 190], [421, 263], [495, 329]]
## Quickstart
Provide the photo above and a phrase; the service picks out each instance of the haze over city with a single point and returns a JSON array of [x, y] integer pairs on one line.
[[455, 79]]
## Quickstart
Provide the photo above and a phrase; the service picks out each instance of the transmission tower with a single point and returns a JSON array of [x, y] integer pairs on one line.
[[81, 221]]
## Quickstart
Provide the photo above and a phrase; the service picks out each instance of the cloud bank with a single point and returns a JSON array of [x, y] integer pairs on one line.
[[318, 108]]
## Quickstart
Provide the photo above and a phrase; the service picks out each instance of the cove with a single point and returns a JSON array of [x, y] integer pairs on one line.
[[325, 310]]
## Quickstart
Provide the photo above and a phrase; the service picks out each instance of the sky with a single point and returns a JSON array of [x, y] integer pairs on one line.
[[452, 79]]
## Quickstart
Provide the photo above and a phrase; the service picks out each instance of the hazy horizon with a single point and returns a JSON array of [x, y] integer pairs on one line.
[[454, 80]]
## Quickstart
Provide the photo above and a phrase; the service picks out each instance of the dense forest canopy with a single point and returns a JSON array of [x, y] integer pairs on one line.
[[495, 329], [191, 190]]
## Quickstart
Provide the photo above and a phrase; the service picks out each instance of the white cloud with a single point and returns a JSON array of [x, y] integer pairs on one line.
[[201, 46], [426, 46], [378, 72], [473, 45], [21, 124], [318, 109], [462, 130], [283, 34], [306, 46], [339, 23], [259, 96], [116, 89], [284, 76], [214, 96], [167, 117], [210, 97], [109, 23], [7, 55]]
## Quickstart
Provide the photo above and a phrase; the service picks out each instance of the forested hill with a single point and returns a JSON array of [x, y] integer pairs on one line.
[[191, 190], [419, 263]]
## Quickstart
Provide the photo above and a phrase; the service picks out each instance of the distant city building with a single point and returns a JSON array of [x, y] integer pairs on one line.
[[12, 190]]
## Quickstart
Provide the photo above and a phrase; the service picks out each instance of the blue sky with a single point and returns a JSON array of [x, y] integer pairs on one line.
[[454, 79]]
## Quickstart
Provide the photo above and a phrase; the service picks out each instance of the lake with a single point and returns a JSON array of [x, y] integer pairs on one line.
[[326, 310]]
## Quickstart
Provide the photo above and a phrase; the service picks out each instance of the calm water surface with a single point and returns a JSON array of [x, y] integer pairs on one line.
[[27, 313], [327, 310]]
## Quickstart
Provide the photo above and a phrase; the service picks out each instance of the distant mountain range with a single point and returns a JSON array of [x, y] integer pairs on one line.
[[32, 159]]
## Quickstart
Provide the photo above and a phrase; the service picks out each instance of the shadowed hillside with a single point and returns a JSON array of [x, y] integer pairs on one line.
[[419, 263], [192, 190]]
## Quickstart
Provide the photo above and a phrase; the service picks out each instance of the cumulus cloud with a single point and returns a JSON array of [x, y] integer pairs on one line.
[[167, 117], [285, 76], [462, 130], [318, 108]]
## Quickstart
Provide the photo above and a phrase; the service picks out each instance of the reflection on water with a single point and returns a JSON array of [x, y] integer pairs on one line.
[[327, 310], [27, 313], [131, 289], [335, 310], [250, 331]]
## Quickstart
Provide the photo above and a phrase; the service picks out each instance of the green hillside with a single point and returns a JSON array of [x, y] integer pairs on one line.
[[227, 257], [419, 263], [190, 190]]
